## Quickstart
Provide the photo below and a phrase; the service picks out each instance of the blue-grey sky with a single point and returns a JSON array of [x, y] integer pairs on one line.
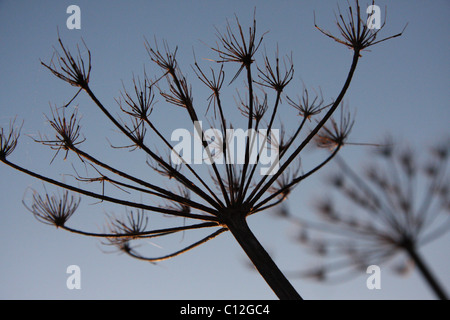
[[400, 87]]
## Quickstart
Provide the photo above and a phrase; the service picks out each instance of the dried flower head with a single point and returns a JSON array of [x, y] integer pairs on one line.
[[214, 84], [131, 226], [8, 140], [271, 77], [69, 69], [307, 107], [140, 106], [180, 93], [237, 48], [354, 31], [334, 135], [278, 144], [283, 185], [55, 209], [165, 60], [166, 171], [67, 131], [178, 206], [259, 110]]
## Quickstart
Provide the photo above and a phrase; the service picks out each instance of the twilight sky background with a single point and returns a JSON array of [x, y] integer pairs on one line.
[[400, 87]]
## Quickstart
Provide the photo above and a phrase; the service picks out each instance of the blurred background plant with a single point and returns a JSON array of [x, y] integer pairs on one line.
[[382, 215]]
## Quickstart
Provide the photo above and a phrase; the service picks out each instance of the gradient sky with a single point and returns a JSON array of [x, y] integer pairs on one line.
[[400, 87]]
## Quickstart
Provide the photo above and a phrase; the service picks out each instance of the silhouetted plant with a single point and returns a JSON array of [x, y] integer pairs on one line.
[[399, 203], [241, 192]]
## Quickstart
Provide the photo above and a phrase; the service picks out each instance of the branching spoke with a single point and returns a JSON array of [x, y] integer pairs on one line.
[[285, 188], [254, 197], [179, 176], [161, 191], [179, 252], [202, 181], [143, 234], [109, 199]]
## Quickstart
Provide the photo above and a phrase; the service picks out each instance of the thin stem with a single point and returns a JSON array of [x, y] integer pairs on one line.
[[253, 198], [167, 143], [291, 141], [189, 184], [179, 252], [143, 234], [262, 144], [191, 110], [225, 147], [297, 180], [163, 193], [109, 199], [249, 127]]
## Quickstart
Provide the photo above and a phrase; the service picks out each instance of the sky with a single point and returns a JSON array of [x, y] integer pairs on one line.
[[400, 88]]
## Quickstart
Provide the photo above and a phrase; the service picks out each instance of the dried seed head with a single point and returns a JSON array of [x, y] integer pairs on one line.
[[259, 110], [318, 274], [71, 70], [334, 135], [386, 149], [307, 107], [354, 31], [67, 131], [179, 206], [180, 93], [170, 171], [8, 140], [337, 181], [166, 61], [283, 185], [393, 214], [54, 210], [442, 151], [133, 224], [214, 84], [140, 106], [407, 162], [273, 78], [236, 48]]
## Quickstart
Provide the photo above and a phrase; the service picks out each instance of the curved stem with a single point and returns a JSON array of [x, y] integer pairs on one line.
[[143, 234], [179, 252], [109, 199], [259, 191]]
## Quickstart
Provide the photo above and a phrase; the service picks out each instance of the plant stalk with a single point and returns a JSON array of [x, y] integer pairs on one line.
[[426, 273], [262, 260]]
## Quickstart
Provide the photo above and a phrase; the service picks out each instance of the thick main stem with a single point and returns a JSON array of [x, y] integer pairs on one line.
[[426, 273], [262, 260]]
